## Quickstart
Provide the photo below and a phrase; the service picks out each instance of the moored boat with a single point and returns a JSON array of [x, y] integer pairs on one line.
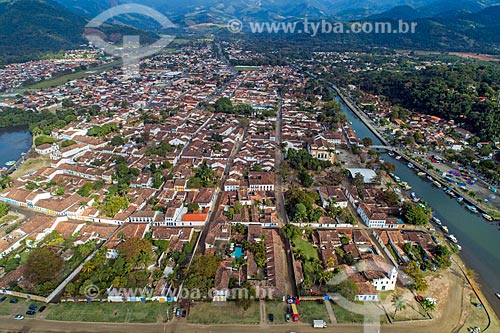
[[421, 174], [444, 228], [452, 238], [487, 217], [10, 163], [398, 157], [472, 208], [410, 165], [436, 220], [430, 178], [460, 200], [437, 184]]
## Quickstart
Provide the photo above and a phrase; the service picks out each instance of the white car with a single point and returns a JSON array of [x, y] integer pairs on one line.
[[19, 317]]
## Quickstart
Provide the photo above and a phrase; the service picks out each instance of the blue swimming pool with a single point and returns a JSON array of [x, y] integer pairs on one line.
[[238, 252]]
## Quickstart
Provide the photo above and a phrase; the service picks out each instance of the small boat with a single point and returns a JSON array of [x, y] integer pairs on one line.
[[444, 228], [10, 163], [436, 220], [459, 248], [460, 200], [472, 208], [498, 295], [421, 174], [438, 184], [391, 153], [414, 197], [410, 165], [487, 217], [398, 157], [430, 178], [452, 238]]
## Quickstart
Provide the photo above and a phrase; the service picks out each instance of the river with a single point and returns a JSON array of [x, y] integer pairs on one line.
[[13, 142], [480, 240]]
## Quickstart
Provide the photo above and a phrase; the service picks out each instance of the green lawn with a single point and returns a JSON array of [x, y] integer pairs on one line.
[[73, 76], [150, 312], [306, 248], [309, 311], [247, 68], [230, 313], [346, 317], [278, 309]]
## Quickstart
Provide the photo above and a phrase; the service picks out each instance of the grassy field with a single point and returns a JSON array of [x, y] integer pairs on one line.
[[31, 165], [306, 248], [72, 76], [309, 311], [278, 309], [346, 317], [110, 312], [247, 68], [208, 313]]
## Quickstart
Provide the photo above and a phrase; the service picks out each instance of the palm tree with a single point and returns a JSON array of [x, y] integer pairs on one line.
[[324, 277], [428, 305], [399, 304]]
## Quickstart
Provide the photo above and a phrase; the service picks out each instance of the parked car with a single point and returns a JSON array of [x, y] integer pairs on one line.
[[30, 312], [287, 318], [14, 301], [184, 313], [3, 299], [19, 317], [419, 298], [33, 307], [271, 317], [178, 312], [42, 308]]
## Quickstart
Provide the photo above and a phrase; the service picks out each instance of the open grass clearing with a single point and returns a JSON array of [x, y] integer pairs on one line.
[[151, 312], [31, 165], [229, 313], [313, 310]]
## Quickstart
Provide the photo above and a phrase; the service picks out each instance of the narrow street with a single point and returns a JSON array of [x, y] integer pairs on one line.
[[291, 287]]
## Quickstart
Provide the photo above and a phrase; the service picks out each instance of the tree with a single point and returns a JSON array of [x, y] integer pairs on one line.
[[367, 142], [193, 207], [43, 265], [117, 141], [224, 105], [291, 231], [359, 180], [324, 277], [428, 305], [415, 214], [4, 209], [399, 303], [391, 197], [300, 213], [137, 251]]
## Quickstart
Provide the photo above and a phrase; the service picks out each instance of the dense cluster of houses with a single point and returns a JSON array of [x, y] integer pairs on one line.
[[13, 76]]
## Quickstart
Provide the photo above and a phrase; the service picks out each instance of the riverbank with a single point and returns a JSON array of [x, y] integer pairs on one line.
[[477, 237], [15, 143]]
